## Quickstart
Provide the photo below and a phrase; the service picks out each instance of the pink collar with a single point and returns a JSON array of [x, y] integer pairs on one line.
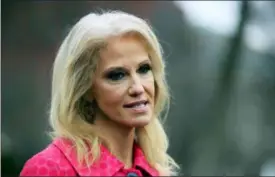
[[107, 165]]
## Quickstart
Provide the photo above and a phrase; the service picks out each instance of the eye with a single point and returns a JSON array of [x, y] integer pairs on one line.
[[115, 75], [145, 68]]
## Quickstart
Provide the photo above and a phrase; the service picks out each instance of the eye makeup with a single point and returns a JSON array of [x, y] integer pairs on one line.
[[119, 73], [115, 74]]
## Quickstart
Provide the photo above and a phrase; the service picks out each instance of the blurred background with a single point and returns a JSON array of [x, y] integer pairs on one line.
[[220, 68]]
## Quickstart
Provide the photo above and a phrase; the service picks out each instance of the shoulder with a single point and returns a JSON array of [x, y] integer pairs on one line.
[[48, 162]]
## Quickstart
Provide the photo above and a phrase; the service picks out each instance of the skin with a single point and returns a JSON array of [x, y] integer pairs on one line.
[[123, 76]]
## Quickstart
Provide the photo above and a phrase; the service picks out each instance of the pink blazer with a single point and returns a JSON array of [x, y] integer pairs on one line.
[[59, 159]]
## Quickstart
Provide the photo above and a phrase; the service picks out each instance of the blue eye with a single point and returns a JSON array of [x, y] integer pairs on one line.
[[115, 75], [145, 68]]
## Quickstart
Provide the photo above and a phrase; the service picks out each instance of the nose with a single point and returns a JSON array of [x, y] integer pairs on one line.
[[136, 88]]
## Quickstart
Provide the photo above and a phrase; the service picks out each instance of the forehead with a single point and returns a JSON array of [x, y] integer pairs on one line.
[[123, 51]]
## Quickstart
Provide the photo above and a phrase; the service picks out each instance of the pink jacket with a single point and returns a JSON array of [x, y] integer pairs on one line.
[[59, 159]]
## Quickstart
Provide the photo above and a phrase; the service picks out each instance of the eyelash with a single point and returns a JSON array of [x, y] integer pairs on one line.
[[147, 68], [118, 75], [115, 75]]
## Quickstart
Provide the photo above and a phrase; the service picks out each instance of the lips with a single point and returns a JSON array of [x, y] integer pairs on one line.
[[135, 104], [137, 107]]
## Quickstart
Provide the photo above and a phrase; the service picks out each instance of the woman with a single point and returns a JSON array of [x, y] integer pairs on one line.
[[108, 92]]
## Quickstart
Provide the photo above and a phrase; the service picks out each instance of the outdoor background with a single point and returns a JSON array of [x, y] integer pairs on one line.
[[220, 69]]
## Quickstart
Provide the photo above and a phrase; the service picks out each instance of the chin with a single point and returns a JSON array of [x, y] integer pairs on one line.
[[139, 121]]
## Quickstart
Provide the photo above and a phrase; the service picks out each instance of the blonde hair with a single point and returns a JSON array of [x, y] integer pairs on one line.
[[73, 69]]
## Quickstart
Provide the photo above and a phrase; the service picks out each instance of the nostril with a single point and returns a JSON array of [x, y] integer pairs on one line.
[[135, 94], [136, 89]]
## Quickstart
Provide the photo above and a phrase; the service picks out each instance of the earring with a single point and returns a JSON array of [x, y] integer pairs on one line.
[[87, 109]]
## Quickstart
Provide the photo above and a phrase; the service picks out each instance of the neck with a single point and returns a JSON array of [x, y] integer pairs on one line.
[[118, 139]]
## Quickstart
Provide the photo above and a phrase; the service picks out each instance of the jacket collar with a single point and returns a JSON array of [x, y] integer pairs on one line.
[[107, 165]]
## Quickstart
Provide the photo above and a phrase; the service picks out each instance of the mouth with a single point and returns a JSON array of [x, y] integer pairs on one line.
[[136, 104]]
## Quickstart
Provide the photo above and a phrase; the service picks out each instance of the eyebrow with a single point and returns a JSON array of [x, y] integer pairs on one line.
[[145, 62], [120, 68]]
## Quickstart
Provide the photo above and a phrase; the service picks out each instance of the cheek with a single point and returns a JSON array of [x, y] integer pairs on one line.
[[149, 85], [110, 95]]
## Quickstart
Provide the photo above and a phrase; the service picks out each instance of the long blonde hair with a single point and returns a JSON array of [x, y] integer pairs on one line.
[[73, 70]]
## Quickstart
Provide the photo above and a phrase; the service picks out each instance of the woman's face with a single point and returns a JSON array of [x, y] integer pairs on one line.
[[124, 83]]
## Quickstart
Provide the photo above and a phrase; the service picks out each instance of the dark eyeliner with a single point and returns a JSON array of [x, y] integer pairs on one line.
[[115, 74], [144, 68]]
